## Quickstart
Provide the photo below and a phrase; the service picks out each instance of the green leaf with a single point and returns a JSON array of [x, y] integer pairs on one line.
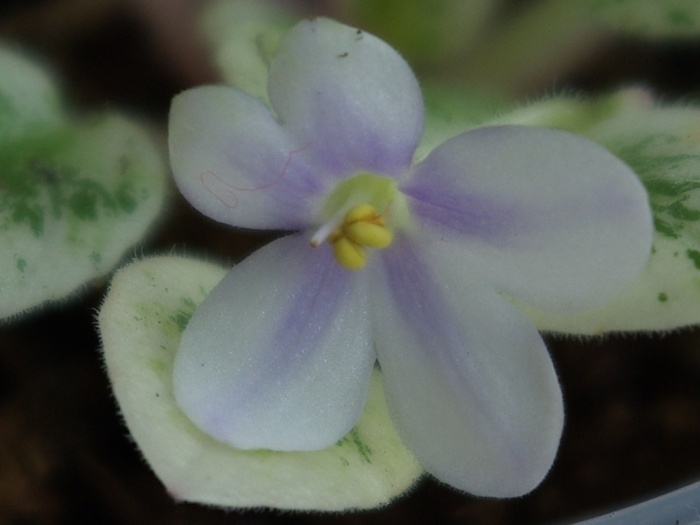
[[652, 18], [28, 98], [244, 35], [72, 202], [143, 316], [74, 196], [425, 32], [662, 145], [452, 109]]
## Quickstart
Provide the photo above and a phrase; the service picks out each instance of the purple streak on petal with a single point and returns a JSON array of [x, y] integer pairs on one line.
[[349, 95], [549, 217], [459, 359], [416, 294], [349, 143], [441, 201], [317, 300], [316, 303], [278, 355], [451, 210], [459, 195]]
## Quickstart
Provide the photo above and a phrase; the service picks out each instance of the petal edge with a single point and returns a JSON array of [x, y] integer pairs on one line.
[[282, 364], [468, 380]]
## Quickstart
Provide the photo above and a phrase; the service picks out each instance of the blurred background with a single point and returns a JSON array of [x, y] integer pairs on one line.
[[633, 402]]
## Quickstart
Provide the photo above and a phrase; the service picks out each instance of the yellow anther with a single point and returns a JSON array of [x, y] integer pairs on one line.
[[361, 212], [362, 227], [349, 255], [368, 234]]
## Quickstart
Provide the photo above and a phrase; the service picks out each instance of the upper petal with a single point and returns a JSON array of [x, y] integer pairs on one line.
[[278, 356], [545, 215], [234, 163], [468, 381], [348, 96]]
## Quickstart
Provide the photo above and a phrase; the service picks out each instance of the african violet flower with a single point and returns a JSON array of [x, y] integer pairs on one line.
[[413, 265]]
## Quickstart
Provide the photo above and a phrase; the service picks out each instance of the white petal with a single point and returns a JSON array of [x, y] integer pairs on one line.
[[547, 216], [349, 96], [278, 356], [469, 382], [140, 324], [234, 163]]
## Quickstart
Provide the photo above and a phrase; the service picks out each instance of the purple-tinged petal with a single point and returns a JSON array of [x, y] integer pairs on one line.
[[546, 216], [233, 162], [349, 96], [468, 380], [281, 362]]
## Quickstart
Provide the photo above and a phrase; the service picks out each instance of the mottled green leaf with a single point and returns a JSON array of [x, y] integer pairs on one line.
[[662, 145], [74, 197], [148, 306], [654, 18], [72, 203]]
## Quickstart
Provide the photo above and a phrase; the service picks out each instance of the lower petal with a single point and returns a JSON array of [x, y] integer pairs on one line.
[[278, 356], [469, 382]]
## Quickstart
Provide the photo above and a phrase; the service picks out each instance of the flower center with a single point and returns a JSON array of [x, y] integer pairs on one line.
[[362, 227], [356, 216]]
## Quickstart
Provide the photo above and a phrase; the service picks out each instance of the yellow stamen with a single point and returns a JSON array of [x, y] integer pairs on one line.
[[349, 255], [368, 234], [362, 227], [361, 212]]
